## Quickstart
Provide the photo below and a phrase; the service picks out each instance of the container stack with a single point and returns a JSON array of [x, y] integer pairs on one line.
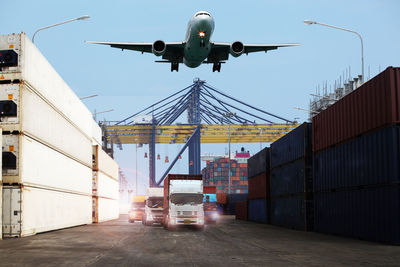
[[47, 144], [356, 146], [105, 189], [258, 206], [216, 174], [291, 180]]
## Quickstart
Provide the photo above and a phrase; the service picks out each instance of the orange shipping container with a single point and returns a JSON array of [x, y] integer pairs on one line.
[[221, 198]]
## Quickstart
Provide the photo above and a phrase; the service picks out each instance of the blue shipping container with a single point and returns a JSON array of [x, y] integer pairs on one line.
[[257, 210], [290, 212], [294, 145], [258, 163], [371, 213], [366, 160], [231, 202], [290, 178]]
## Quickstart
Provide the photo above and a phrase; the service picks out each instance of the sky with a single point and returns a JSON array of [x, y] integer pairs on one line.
[[278, 81]]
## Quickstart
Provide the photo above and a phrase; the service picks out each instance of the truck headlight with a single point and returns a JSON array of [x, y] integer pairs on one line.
[[172, 220], [214, 215]]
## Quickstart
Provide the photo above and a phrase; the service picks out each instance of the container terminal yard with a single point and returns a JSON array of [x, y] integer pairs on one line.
[[215, 178]]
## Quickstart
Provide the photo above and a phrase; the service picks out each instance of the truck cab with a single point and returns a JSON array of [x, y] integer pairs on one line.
[[137, 208], [153, 210], [183, 201]]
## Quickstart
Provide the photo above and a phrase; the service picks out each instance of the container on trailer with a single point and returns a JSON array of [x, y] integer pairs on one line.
[[24, 111], [29, 210], [221, 198], [210, 189], [29, 66], [369, 159], [259, 186], [369, 213], [241, 210], [258, 210], [373, 105], [259, 163], [26, 161], [292, 146], [231, 202]]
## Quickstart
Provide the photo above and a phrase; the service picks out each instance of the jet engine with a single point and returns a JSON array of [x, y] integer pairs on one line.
[[158, 48], [237, 48]]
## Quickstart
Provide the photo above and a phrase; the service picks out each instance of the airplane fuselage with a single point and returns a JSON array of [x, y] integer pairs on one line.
[[197, 43]]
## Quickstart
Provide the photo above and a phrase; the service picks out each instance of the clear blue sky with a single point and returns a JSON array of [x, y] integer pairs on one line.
[[277, 81]]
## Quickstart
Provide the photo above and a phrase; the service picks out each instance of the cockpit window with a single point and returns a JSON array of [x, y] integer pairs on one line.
[[202, 13]]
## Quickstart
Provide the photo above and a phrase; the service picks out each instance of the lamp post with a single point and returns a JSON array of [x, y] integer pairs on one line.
[[309, 22], [229, 115], [95, 113], [57, 24]]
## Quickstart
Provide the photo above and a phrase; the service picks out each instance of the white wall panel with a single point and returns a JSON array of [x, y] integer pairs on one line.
[[108, 209], [106, 186]]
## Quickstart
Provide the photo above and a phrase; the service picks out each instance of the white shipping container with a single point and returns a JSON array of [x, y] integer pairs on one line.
[[38, 119], [105, 186], [34, 69], [103, 162], [96, 133], [39, 165], [105, 209], [30, 210]]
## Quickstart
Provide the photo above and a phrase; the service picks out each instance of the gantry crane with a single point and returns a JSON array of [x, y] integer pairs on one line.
[[212, 117]]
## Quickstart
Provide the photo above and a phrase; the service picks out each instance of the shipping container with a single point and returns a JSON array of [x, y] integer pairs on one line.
[[221, 198], [39, 119], [292, 146], [26, 161], [292, 212], [231, 200], [29, 210], [259, 163], [241, 210], [370, 213], [259, 186], [104, 209], [258, 210], [210, 189], [365, 160], [96, 134], [32, 68], [105, 186], [292, 178], [104, 163], [373, 105]]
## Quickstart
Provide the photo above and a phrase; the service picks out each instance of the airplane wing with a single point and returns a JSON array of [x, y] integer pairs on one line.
[[174, 50], [220, 51]]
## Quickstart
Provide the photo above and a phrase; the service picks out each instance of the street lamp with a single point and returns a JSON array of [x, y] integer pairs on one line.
[[54, 25], [89, 96], [229, 115], [95, 113], [309, 22]]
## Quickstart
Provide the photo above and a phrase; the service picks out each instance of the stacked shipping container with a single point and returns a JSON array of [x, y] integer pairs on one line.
[[216, 174], [356, 145], [258, 206], [47, 144], [291, 180]]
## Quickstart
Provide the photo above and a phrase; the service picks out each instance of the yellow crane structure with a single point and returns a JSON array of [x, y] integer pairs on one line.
[[212, 117]]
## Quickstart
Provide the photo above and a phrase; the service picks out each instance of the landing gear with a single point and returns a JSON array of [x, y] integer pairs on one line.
[[175, 66], [217, 67], [202, 43]]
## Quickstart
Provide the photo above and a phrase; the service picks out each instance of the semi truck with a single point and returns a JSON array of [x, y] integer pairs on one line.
[[153, 209], [137, 208], [211, 214], [183, 201]]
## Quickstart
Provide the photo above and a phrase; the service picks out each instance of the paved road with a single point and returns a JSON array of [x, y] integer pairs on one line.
[[228, 243]]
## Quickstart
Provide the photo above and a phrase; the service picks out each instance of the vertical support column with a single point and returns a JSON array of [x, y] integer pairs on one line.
[[152, 156], [194, 155], [194, 118]]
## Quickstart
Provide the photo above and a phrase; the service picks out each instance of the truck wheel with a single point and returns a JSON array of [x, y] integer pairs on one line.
[[131, 221]]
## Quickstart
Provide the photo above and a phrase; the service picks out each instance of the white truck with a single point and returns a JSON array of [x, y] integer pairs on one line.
[[153, 209], [183, 201]]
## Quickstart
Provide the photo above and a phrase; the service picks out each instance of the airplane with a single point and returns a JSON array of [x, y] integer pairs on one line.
[[197, 48]]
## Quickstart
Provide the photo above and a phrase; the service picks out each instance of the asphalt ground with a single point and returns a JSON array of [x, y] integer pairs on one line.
[[228, 243]]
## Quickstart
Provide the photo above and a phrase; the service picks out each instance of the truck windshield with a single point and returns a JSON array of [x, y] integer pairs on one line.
[[155, 202], [188, 199]]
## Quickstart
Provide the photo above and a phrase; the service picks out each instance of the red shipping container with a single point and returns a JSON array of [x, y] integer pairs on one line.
[[373, 105], [241, 210], [209, 189], [221, 198], [259, 186]]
